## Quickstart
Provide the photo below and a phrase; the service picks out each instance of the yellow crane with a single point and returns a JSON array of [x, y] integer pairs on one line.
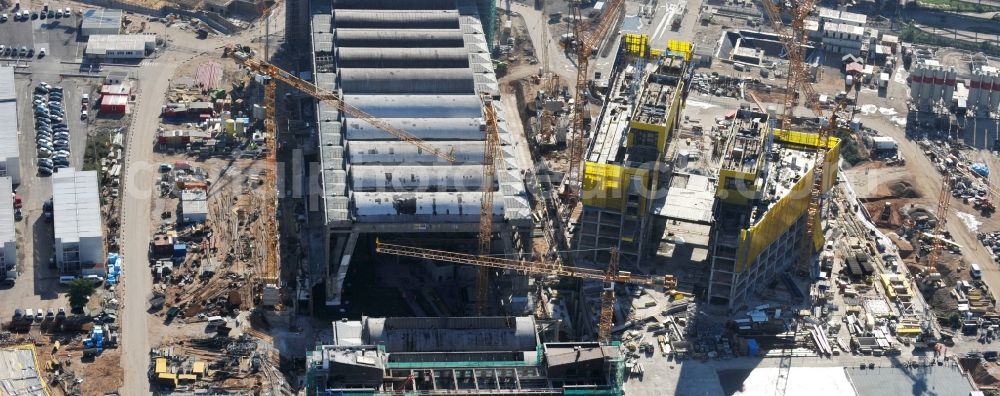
[[610, 277], [585, 43], [944, 201], [270, 276], [275, 72], [793, 41], [491, 150]]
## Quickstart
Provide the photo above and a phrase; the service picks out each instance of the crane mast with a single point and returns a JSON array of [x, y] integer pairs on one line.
[[577, 142], [793, 42], [267, 69], [944, 201], [271, 272], [490, 151]]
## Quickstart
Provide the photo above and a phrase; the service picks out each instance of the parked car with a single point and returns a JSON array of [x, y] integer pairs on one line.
[[44, 162], [18, 215], [83, 115]]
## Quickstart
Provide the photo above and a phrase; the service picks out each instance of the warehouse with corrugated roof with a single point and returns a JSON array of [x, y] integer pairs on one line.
[[76, 219], [10, 154]]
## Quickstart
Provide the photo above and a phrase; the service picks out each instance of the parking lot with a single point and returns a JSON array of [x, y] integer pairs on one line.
[[56, 35], [38, 283]]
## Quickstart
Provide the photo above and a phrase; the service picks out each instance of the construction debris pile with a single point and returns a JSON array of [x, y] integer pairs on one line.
[[667, 331], [242, 363]]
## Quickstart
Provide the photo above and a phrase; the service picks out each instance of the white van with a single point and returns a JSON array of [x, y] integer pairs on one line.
[[216, 321], [976, 272]]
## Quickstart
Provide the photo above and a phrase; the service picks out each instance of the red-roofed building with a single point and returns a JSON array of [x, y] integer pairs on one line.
[[114, 104]]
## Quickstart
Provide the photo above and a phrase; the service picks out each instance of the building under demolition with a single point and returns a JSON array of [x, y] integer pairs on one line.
[[458, 355], [423, 67]]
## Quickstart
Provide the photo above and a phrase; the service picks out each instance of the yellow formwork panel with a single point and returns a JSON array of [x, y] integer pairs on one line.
[[802, 138], [602, 185], [786, 212], [659, 130], [606, 185], [736, 187], [636, 44], [681, 47]]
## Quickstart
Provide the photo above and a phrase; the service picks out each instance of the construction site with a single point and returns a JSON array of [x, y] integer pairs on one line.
[[654, 226], [475, 197]]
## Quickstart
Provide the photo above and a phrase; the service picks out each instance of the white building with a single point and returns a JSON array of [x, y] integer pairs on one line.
[[10, 157], [194, 206], [79, 236], [120, 46], [844, 39], [103, 21], [8, 238], [828, 15]]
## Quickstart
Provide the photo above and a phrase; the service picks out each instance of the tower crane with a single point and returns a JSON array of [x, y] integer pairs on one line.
[[610, 277], [270, 70], [944, 201], [585, 44], [490, 152], [271, 273], [793, 41]]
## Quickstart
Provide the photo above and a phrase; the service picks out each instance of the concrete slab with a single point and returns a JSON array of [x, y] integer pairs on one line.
[[930, 380], [668, 378], [19, 374], [813, 381]]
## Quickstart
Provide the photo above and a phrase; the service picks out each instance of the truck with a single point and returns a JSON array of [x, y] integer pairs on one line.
[[883, 80]]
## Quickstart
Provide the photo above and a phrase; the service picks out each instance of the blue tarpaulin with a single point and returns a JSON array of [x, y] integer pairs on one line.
[[114, 268], [981, 169], [752, 348], [180, 250]]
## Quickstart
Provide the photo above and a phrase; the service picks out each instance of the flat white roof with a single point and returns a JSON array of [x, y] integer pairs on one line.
[[8, 130], [6, 211], [690, 197], [853, 18], [7, 93], [76, 204], [102, 18], [100, 44], [844, 28]]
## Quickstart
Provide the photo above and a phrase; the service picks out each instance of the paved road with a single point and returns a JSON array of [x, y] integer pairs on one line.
[[139, 180], [135, 226]]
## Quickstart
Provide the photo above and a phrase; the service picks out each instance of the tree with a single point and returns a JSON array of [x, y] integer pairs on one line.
[[79, 292]]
